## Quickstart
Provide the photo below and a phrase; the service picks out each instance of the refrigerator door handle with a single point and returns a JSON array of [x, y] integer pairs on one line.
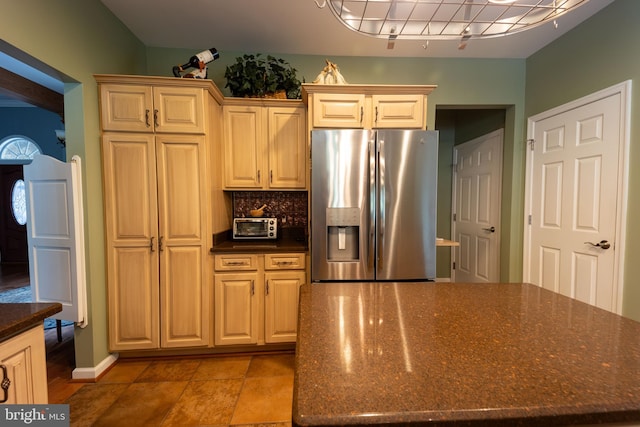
[[372, 204], [380, 206]]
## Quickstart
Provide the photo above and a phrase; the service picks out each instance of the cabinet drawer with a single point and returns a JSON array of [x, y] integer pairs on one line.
[[234, 262], [284, 261]]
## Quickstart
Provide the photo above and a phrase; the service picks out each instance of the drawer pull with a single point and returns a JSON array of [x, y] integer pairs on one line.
[[6, 382], [279, 263], [235, 263]]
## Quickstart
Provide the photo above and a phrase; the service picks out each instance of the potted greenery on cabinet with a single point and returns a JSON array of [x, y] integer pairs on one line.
[[254, 76]]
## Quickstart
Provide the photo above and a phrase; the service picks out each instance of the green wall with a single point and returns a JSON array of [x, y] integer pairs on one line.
[[600, 53], [76, 39], [458, 89]]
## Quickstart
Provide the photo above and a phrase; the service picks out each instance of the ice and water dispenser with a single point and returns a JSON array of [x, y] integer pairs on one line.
[[343, 234]]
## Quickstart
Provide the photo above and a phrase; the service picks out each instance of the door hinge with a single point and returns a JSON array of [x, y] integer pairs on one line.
[[454, 217], [531, 143], [453, 265], [529, 219]]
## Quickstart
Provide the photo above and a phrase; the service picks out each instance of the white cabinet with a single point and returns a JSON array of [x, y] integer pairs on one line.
[[256, 297], [366, 106], [264, 145], [24, 358]]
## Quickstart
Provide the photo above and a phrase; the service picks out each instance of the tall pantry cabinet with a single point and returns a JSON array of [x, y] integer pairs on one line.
[[157, 193]]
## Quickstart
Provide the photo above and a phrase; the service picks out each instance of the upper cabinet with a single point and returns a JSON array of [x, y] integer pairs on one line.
[[367, 106], [264, 144], [161, 105]]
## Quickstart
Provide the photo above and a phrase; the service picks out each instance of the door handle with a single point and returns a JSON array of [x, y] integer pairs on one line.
[[6, 383], [490, 230], [603, 244], [151, 245]]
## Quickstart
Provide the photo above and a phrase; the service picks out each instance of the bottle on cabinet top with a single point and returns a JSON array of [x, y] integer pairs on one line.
[[198, 61]]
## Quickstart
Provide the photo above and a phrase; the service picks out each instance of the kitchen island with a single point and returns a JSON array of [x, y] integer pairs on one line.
[[22, 352], [461, 354]]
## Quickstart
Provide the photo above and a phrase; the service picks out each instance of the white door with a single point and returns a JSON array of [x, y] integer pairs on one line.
[[574, 193], [477, 199], [55, 235]]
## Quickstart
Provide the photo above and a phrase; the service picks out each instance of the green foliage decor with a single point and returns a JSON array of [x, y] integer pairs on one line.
[[257, 77]]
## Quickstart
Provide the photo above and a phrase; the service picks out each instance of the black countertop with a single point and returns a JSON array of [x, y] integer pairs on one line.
[[18, 317], [454, 354], [290, 240]]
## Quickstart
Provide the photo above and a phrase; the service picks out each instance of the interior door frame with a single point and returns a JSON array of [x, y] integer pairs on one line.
[[624, 90]]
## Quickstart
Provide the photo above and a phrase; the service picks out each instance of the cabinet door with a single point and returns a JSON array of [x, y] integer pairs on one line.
[[131, 221], [126, 108], [24, 357], [282, 290], [185, 307], [178, 110], [287, 148], [332, 110], [244, 147], [236, 308], [399, 111]]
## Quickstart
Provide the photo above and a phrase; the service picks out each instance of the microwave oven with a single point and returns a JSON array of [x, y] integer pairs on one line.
[[255, 228]]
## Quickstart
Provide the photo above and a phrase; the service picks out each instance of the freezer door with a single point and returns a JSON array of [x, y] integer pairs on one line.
[[342, 231], [407, 183]]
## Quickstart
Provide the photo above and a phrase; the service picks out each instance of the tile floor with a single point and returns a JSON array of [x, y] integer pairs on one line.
[[213, 391]]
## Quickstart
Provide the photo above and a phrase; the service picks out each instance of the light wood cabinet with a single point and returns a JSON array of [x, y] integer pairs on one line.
[[256, 297], [265, 145], [145, 108], [24, 357], [366, 106], [157, 201]]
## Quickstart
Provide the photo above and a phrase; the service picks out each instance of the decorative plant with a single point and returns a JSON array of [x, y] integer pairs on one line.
[[255, 76]]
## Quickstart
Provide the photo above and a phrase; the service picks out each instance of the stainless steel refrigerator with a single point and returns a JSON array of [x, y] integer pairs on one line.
[[373, 205]]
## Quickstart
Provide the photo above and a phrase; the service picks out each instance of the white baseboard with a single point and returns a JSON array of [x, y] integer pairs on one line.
[[96, 371], [443, 279]]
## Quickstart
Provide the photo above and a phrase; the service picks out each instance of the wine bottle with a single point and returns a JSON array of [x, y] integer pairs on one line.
[[197, 61]]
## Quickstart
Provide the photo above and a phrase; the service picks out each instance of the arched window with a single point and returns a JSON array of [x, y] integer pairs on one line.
[[18, 148]]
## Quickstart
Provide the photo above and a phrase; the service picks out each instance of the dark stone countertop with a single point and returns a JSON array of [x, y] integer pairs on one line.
[[18, 317], [448, 354], [290, 240]]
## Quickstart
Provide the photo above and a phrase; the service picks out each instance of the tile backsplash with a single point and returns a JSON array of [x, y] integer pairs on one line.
[[290, 207]]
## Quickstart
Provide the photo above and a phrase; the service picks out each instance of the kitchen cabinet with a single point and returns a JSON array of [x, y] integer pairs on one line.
[[24, 357], [157, 203], [256, 297], [366, 106], [146, 108], [264, 144]]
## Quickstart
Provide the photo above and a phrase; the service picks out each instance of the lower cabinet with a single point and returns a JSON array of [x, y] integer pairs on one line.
[[24, 358], [256, 297]]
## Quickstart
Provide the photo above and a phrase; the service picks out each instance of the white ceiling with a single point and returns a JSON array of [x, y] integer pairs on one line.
[[291, 27], [301, 27]]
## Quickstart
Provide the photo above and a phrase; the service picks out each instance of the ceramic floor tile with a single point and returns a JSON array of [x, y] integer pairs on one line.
[[92, 400], [222, 367], [142, 404], [205, 403], [271, 365], [264, 400], [124, 372], [169, 370]]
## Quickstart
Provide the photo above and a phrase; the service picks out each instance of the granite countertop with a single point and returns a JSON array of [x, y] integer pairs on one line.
[[288, 241], [461, 354], [18, 317]]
